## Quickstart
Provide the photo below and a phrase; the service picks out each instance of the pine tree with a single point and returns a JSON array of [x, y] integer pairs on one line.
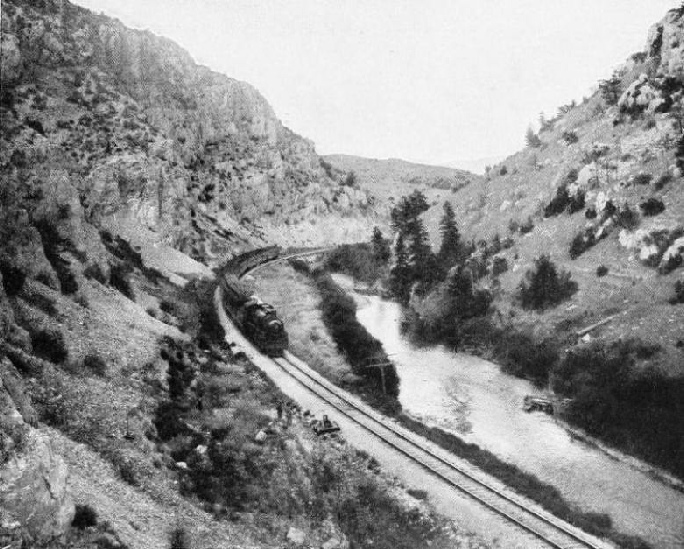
[[400, 273], [532, 139], [381, 248], [451, 239], [610, 89]]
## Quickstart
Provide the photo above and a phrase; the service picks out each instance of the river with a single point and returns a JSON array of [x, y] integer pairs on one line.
[[472, 398]]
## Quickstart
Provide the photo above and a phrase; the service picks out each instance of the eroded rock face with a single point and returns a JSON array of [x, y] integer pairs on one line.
[[34, 500], [34, 490], [146, 136]]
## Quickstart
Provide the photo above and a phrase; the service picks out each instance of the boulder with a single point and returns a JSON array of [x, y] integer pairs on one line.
[[587, 177], [34, 491], [296, 536]]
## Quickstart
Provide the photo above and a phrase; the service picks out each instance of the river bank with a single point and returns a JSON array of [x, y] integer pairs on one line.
[[474, 400], [426, 395]]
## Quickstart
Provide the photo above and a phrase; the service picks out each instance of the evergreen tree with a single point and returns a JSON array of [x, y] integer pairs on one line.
[[610, 89], [544, 286], [532, 139], [381, 248], [400, 273], [450, 249], [405, 214]]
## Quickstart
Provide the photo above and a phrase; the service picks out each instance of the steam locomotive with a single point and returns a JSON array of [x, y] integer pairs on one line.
[[257, 320]]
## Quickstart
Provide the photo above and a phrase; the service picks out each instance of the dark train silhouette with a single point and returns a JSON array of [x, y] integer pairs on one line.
[[257, 320]]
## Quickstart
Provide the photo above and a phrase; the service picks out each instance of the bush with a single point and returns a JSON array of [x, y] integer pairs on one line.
[[642, 179], [543, 286], [662, 181], [521, 356], [13, 278], [503, 170], [559, 202], [652, 207], [679, 293], [570, 137], [119, 278], [601, 270], [84, 517], [96, 364], [590, 213], [179, 539], [49, 345], [615, 399], [581, 243], [527, 226], [627, 218], [94, 272]]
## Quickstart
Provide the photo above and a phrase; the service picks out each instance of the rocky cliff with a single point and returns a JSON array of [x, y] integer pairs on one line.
[[599, 188], [123, 128]]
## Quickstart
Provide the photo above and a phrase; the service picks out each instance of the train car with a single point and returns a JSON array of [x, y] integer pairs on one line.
[[249, 260], [257, 320]]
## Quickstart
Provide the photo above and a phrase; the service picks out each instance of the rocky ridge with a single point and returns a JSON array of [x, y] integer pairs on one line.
[[123, 126]]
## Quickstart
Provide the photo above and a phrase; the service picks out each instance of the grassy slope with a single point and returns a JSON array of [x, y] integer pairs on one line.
[[637, 292], [133, 483], [389, 180]]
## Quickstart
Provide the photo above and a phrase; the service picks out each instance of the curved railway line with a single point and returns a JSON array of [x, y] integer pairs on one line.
[[485, 490], [542, 525]]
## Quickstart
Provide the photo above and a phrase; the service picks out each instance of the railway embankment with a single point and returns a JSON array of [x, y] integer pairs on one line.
[[544, 494]]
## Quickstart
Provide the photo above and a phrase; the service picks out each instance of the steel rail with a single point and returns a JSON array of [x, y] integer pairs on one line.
[[577, 539]]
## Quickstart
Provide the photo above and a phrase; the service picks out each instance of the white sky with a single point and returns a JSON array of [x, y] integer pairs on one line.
[[423, 80]]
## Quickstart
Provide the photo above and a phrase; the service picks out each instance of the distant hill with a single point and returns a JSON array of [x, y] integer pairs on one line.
[[477, 165], [388, 180]]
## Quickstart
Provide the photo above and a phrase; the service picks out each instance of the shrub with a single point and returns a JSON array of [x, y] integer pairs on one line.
[[13, 278], [167, 306], [642, 179], [627, 218], [49, 345], [558, 203], [601, 270], [581, 243], [119, 278], [43, 302], [543, 286], [96, 364], [570, 137], [179, 539], [617, 400], [679, 293], [503, 170], [532, 139], [662, 181], [577, 202], [527, 226], [94, 272], [523, 357], [652, 207], [84, 517], [590, 213]]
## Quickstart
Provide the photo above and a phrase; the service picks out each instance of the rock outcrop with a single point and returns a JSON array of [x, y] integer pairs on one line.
[[121, 126]]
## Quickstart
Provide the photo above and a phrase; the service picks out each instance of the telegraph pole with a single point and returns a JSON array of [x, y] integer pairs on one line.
[[382, 366]]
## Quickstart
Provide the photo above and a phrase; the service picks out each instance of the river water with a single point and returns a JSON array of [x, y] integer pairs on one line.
[[473, 399]]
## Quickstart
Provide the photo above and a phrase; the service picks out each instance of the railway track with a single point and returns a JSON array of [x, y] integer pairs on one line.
[[524, 514], [485, 490]]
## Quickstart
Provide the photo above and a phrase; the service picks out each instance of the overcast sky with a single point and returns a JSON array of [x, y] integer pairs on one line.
[[423, 80]]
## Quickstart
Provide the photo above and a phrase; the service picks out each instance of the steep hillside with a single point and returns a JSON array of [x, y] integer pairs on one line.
[[613, 152], [388, 180], [126, 124]]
